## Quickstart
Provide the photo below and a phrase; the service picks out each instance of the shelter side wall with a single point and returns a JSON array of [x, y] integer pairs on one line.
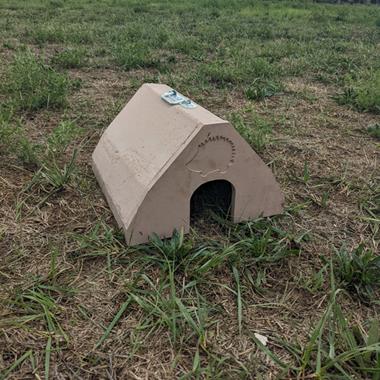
[[120, 186]]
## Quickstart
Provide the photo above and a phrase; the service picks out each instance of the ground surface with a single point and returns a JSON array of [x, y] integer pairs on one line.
[[301, 82]]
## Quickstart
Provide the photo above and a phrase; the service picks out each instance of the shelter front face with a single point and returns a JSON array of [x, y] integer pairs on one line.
[[182, 150]]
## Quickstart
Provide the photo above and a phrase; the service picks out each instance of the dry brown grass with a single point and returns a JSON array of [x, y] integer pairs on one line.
[[91, 282]]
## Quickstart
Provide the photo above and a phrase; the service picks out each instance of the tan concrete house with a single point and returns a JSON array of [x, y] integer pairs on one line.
[[160, 149]]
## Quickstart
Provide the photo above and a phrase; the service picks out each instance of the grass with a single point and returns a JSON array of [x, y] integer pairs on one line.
[[334, 349], [248, 249], [363, 93], [13, 140], [32, 84], [134, 56], [358, 271], [178, 302], [46, 158], [70, 58], [261, 89], [269, 298], [374, 130], [255, 129], [52, 167], [36, 304]]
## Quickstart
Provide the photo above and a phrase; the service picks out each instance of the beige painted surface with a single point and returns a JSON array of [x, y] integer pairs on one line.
[[154, 155]]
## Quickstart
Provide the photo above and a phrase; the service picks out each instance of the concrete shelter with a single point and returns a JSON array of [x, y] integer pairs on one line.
[[160, 149]]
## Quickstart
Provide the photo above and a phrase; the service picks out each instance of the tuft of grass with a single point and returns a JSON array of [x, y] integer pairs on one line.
[[101, 240], [239, 69], [135, 56], [363, 93], [13, 140], [38, 304], [61, 137], [47, 34], [374, 130], [31, 84], [253, 128], [358, 271], [263, 88], [179, 308], [219, 74], [334, 350], [4, 374], [190, 265], [53, 168], [70, 58], [171, 302], [56, 175]]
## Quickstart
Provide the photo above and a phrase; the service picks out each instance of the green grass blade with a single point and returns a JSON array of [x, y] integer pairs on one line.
[[351, 354], [270, 354], [376, 376], [196, 361], [187, 316], [113, 323], [19, 361], [47, 358], [239, 301]]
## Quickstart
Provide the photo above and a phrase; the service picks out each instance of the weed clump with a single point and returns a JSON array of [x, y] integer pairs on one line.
[[47, 34], [33, 85], [134, 56], [70, 58], [374, 130], [13, 140], [186, 267], [334, 350], [255, 131], [363, 94], [48, 159], [220, 73], [262, 88], [61, 137], [238, 70], [358, 271]]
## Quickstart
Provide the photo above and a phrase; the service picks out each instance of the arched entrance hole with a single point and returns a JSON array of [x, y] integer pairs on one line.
[[211, 202]]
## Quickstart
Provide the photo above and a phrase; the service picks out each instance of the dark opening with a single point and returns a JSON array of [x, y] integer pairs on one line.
[[211, 202]]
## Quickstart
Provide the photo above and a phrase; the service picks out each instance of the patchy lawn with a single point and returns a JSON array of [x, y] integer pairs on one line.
[[292, 297]]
